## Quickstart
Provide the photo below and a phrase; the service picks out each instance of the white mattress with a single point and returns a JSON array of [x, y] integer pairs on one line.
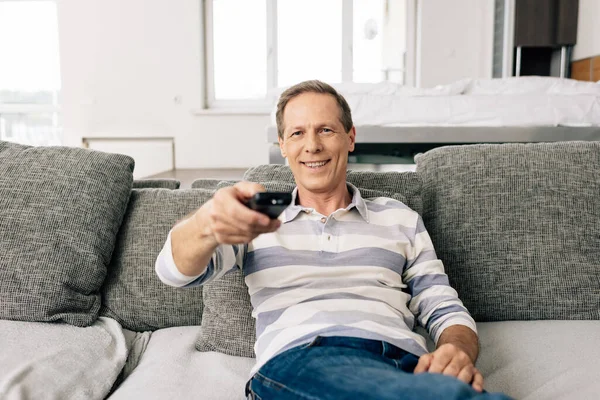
[[506, 110], [510, 102], [472, 110]]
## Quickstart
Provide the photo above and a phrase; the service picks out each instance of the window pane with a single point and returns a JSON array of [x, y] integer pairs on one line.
[[379, 40], [240, 49], [33, 128], [29, 70], [309, 41]]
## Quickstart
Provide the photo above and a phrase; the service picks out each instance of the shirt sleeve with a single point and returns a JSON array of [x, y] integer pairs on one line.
[[224, 259], [433, 301]]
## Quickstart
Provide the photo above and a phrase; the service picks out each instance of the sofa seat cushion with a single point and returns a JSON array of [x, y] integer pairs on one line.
[[132, 293], [537, 360], [171, 368], [60, 211], [40, 360], [517, 227], [528, 360]]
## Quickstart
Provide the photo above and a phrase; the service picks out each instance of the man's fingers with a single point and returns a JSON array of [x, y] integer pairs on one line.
[[465, 374], [454, 369], [440, 361], [477, 381], [231, 221], [245, 189], [228, 208], [423, 364]]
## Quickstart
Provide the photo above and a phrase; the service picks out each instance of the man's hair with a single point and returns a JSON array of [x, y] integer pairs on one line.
[[313, 86]]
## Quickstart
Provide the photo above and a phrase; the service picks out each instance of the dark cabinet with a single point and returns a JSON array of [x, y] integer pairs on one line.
[[545, 23], [566, 22], [544, 32]]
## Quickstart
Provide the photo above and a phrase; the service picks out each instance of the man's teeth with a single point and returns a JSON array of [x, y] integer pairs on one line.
[[316, 164]]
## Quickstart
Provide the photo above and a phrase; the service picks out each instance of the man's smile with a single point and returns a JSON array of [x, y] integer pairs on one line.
[[315, 164]]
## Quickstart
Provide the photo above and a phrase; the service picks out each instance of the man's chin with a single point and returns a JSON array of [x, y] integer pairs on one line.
[[316, 184]]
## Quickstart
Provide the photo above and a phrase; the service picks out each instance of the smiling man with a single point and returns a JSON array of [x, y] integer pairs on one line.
[[338, 282]]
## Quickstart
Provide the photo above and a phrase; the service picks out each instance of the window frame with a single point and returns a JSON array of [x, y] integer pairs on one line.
[[252, 106]]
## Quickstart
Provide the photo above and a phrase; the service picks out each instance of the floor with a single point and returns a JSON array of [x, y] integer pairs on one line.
[[187, 176]]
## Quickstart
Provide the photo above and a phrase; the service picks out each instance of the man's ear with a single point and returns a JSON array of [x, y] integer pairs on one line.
[[281, 147], [352, 138]]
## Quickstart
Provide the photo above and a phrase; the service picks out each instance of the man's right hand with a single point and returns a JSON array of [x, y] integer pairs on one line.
[[224, 219], [228, 220]]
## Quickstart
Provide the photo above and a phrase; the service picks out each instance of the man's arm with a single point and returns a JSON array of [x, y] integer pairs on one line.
[[440, 311], [187, 257]]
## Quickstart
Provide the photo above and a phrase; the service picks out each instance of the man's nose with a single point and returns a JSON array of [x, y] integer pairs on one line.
[[313, 143]]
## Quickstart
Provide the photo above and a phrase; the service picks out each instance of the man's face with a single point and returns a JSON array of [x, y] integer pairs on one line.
[[315, 142]]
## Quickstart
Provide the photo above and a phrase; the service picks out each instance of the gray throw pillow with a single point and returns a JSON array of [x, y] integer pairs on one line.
[[156, 183], [132, 293], [60, 211], [517, 227], [227, 323], [407, 184]]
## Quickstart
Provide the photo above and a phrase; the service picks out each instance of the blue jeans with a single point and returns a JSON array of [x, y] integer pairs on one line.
[[333, 368]]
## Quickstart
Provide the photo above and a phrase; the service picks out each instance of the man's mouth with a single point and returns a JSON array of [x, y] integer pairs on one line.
[[315, 164]]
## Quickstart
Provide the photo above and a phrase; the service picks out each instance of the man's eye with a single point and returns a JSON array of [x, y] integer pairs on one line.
[[297, 133], [326, 130]]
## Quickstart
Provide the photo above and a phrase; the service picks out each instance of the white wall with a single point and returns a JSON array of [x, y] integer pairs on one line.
[[588, 30], [134, 69], [454, 40]]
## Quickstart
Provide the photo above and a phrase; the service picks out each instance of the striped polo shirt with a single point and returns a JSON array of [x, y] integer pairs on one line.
[[366, 271]]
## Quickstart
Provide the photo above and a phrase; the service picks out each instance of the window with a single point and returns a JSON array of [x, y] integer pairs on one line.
[[255, 46], [29, 73]]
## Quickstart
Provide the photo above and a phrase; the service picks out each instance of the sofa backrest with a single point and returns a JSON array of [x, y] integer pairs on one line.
[[517, 227], [132, 293]]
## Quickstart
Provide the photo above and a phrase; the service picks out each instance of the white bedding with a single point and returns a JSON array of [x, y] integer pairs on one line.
[[462, 110], [526, 101]]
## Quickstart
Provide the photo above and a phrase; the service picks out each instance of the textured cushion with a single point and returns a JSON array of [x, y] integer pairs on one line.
[[156, 183], [205, 183], [517, 227], [227, 324], [60, 211], [391, 184], [133, 294]]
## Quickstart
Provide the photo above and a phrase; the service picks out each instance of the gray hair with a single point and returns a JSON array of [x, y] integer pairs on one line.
[[313, 86]]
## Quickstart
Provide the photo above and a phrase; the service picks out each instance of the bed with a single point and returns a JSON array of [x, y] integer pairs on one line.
[[396, 122]]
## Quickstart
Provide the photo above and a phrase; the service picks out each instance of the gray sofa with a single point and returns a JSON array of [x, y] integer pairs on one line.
[[83, 316]]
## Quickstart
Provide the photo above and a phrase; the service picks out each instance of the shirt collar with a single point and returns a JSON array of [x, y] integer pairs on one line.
[[357, 202]]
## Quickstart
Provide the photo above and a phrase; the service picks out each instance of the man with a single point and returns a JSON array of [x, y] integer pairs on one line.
[[337, 281]]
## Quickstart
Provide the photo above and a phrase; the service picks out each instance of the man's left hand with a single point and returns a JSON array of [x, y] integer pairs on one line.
[[449, 359]]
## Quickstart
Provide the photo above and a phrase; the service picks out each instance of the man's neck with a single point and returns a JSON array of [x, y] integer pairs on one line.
[[327, 202]]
